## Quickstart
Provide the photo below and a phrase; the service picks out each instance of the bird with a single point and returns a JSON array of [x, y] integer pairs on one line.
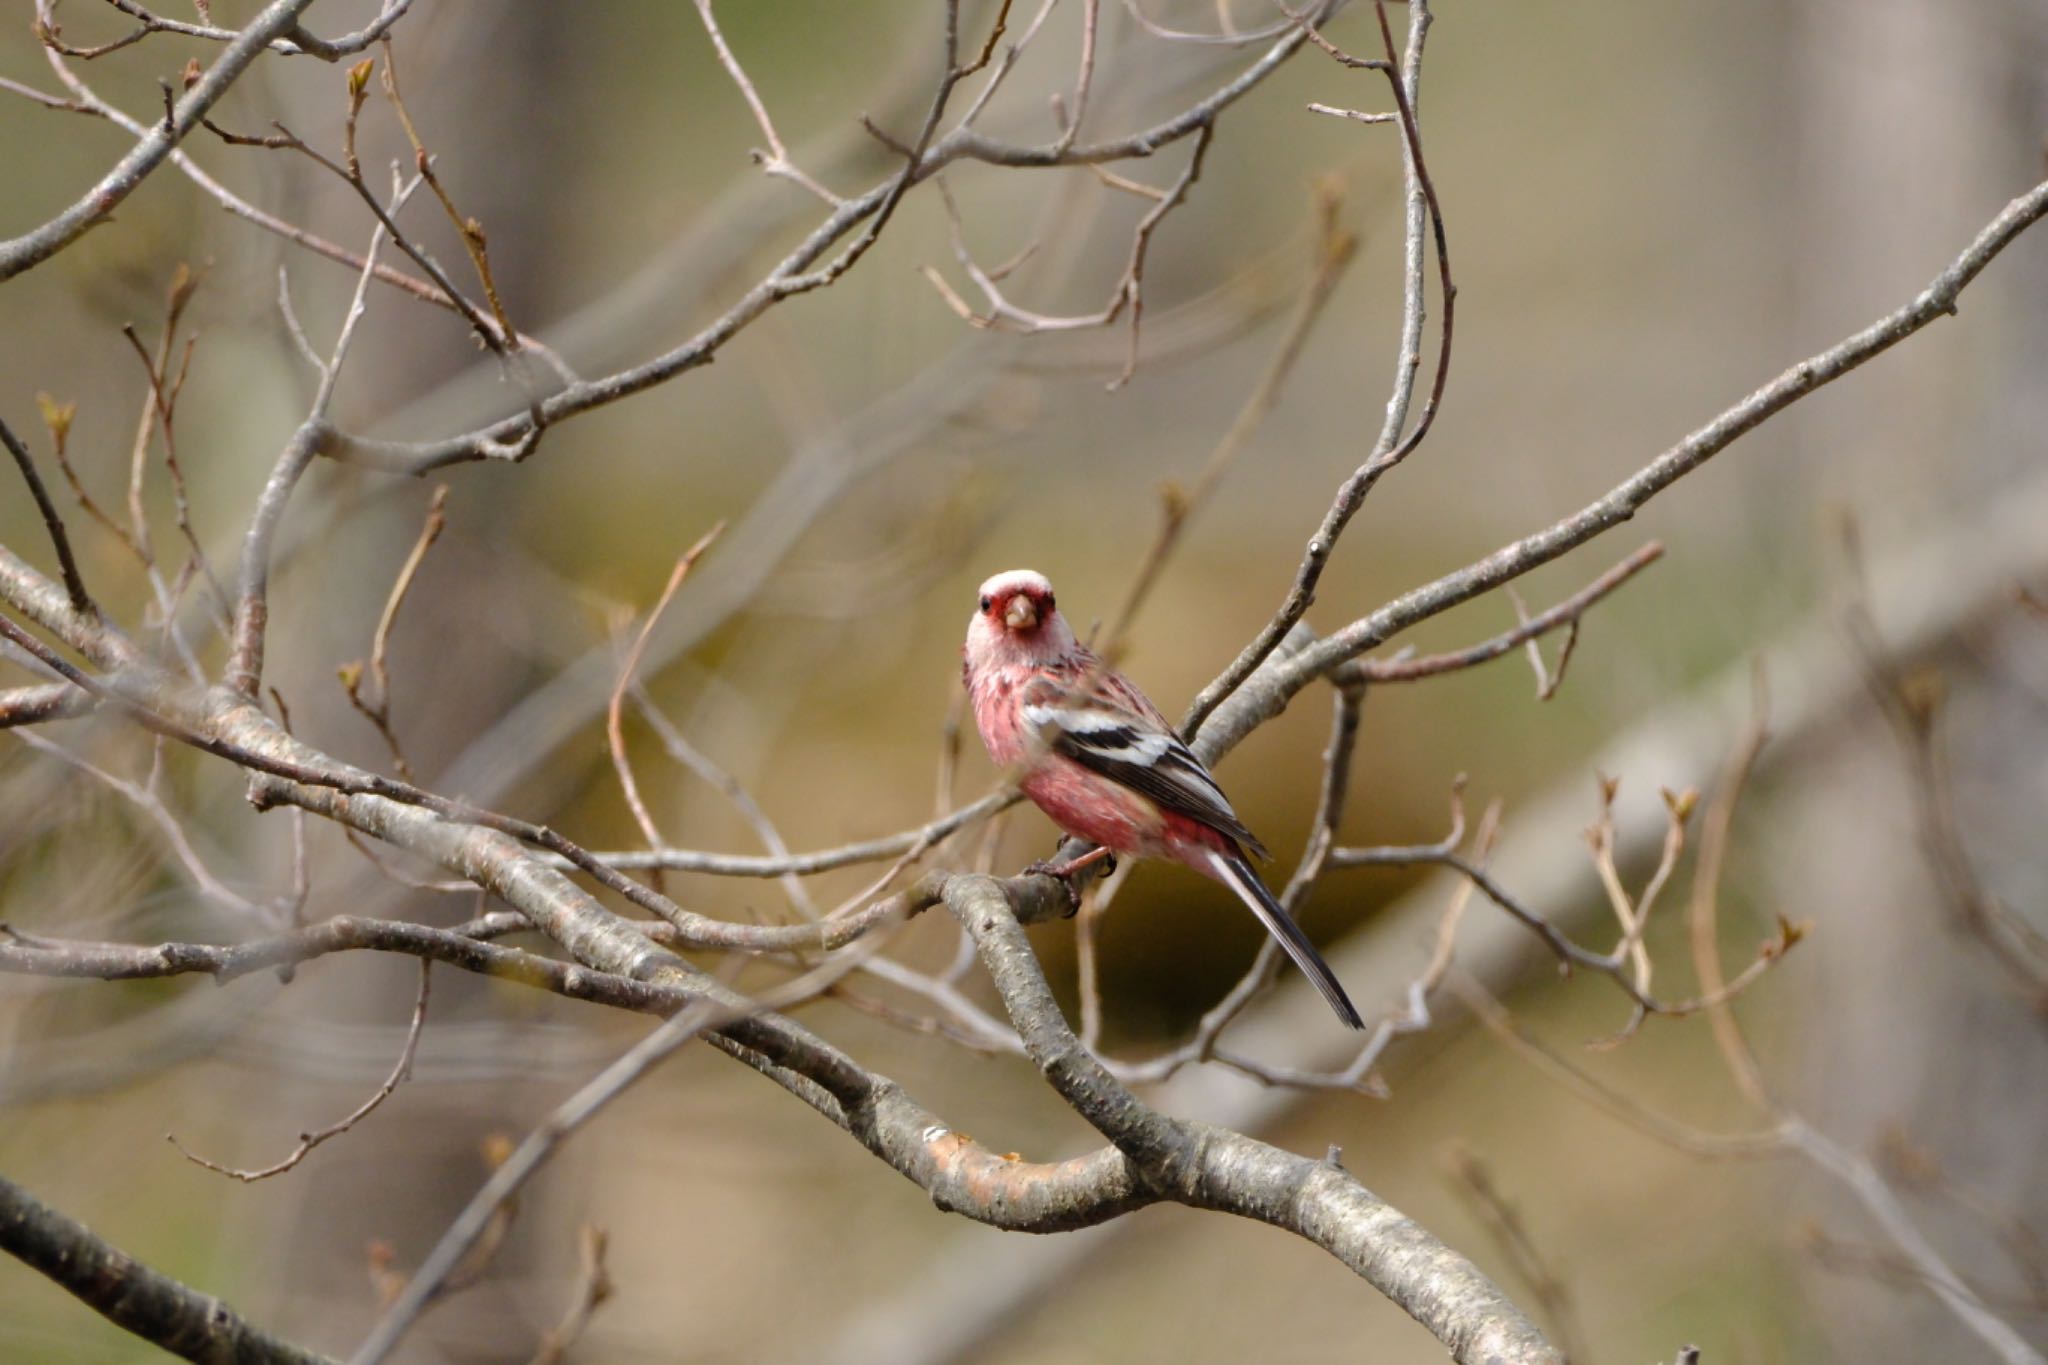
[[1096, 756]]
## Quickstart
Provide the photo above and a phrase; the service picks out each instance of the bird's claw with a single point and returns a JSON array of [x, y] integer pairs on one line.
[[1065, 872]]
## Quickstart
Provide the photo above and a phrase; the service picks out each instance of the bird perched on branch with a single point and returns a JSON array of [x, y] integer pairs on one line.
[[1095, 754]]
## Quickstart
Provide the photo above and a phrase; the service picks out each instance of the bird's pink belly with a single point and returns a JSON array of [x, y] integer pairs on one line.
[[1100, 811]]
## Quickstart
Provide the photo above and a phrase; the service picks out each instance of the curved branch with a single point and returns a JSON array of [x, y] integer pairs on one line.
[[297, 42], [1565, 613], [1223, 1170]]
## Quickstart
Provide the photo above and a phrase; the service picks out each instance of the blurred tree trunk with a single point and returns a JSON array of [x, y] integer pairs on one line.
[[1911, 1028], [471, 78]]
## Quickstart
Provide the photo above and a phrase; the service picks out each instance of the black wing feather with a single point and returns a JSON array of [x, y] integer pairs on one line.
[[1175, 780]]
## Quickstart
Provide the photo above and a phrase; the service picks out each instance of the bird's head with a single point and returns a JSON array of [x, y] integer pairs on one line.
[[1016, 617]]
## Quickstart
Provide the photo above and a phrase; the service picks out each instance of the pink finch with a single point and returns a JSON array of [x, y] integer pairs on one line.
[[1103, 763]]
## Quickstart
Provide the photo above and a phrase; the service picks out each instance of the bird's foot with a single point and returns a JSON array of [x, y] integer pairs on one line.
[[1064, 875], [1064, 872]]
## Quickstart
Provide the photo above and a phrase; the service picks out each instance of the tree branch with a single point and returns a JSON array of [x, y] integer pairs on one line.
[[129, 1294], [33, 248], [1937, 300], [1216, 1168]]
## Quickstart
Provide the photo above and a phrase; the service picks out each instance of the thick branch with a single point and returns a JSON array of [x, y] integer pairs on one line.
[[1220, 1169], [43, 701], [129, 1294]]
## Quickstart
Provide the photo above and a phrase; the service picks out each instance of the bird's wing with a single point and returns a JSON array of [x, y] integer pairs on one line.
[[1131, 748]]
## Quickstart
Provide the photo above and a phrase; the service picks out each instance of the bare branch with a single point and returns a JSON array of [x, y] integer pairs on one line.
[[1404, 74], [33, 248], [129, 1294], [1217, 1169], [613, 727], [296, 42], [1566, 613], [308, 1141], [377, 709], [775, 160], [593, 1287], [800, 270], [1127, 294], [74, 583], [47, 701], [505, 337], [1622, 502], [1570, 954], [86, 101]]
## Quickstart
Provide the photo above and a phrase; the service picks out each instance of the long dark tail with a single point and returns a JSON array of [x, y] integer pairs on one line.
[[1237, 874]]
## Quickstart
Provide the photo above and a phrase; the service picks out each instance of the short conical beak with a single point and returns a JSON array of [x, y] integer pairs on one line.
[[1021, 614]]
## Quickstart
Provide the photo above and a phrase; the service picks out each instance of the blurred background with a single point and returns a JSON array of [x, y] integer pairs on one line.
[[1651, 210]]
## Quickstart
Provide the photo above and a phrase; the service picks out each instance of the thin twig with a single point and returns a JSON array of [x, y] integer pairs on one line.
[[469, 230], [308, 1141], [593, 1287], [614, 726], [1512, 1236], [775, 160], [1565, 613], [74, 582], [297, 42], [1703, 921], [1390, 449], [378, 712]]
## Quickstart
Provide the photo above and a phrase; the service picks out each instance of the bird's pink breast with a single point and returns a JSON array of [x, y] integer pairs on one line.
[[996, 714]]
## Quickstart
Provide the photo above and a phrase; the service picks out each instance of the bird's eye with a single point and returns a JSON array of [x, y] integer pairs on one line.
[[1048, 602], [987, 602]]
